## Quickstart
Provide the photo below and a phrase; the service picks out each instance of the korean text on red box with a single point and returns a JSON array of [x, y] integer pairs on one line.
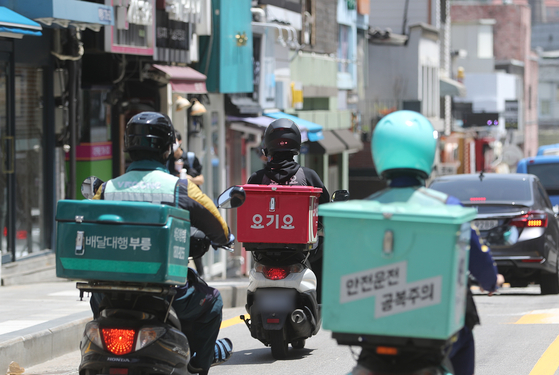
[[278, 214]]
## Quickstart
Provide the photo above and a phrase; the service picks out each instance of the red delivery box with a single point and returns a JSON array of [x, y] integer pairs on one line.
[[278, 214]]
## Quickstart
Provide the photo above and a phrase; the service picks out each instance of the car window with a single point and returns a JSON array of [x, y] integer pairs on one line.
[[538, 199], [547, 173], [486, 190], [543, 196]]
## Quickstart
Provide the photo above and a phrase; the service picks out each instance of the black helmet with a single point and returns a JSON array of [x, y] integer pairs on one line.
[[149, 131], [282, 135]]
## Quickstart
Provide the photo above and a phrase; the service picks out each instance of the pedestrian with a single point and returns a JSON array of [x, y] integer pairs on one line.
[[178, 160], [185, 159]]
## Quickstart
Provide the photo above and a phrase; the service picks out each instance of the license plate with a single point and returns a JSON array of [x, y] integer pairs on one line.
[[486, 224]]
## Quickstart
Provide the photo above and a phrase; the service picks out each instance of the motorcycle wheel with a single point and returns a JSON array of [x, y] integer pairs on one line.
[[299, 344], [278, 345]]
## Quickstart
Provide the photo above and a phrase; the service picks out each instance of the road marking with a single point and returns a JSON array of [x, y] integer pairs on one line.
[[548, 362], [547, 316], [16, 325], [233, 321], [66, 293]]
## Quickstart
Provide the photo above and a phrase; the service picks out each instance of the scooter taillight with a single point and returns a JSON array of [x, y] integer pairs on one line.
[[278, 273], [275, 273], [122, 341], [119, 341]]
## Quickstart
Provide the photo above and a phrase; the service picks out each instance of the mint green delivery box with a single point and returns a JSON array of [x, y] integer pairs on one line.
[[395, 269], [122, 241]]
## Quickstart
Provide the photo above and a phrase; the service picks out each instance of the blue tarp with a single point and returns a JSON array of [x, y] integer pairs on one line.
[[15, 23], [15, 30], [314, 131], [68, 10]]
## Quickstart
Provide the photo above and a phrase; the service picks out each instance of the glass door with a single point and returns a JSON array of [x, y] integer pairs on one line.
[[28, 160], [21, 160], [6, 167]]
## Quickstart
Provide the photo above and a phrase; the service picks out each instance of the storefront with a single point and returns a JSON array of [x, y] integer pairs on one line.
[[21, 129], [39, 50]]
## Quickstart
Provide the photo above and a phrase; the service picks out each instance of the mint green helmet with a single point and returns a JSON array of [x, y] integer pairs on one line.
[[404, 143]]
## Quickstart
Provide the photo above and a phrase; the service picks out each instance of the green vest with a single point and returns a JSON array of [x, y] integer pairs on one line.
[[414, 195], [154, 186]]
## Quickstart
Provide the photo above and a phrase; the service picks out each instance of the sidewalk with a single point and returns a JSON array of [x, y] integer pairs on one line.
[[42, 321]]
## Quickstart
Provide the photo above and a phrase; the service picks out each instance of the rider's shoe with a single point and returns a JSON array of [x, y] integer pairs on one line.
[[223, 351]]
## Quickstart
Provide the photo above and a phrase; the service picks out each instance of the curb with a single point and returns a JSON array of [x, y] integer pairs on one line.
[[35, 348]]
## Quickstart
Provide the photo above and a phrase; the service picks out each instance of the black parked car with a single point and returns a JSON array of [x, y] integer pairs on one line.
[[516, 220]]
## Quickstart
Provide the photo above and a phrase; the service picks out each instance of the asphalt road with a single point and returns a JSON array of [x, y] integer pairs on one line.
[[519, 335]]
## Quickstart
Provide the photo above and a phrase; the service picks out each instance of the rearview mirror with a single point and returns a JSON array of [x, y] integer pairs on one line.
[[90, 186], [340, 196], [231, 198]]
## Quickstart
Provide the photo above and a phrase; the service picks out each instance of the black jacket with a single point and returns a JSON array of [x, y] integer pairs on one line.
[[310, 175]]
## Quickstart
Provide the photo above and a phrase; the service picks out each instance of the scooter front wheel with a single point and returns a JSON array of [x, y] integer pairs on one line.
[[278, 344]]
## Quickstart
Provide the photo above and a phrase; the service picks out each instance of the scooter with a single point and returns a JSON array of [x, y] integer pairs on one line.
[[281, 300], [389, 355], [281, 295], [137, 331]]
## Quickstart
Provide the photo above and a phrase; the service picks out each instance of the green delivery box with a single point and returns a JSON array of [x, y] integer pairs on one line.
[[122, 241], [395, 269]]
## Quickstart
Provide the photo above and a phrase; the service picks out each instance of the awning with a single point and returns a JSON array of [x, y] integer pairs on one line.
[[241, 105], [263, 122], [81, 14], [14, 25], [184, 79], [349, 139], [330, 144], [448, 86], [314, 131]]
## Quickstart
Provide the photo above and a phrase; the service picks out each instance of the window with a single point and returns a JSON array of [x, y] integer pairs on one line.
[[488, 190], [308, 33], [343, 48], [545, 107], [429, 91], [547, 173], [485, 42]]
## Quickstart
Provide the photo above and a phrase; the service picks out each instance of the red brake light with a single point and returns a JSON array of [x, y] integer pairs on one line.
[[119, 341], [387, 350], [531, 219], [118, 371], [275, 273], [477, 199]]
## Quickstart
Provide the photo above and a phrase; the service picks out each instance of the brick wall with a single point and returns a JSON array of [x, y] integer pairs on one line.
[[512, 29], [326, 27], [511, 40]]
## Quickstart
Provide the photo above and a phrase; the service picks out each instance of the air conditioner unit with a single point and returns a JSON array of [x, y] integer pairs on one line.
[[204, 27]]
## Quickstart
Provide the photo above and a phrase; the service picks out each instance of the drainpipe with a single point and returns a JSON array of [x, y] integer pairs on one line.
[[72, 112], [261, 13]]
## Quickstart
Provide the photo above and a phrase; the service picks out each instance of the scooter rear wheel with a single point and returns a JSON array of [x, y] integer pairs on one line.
[[278, 344]]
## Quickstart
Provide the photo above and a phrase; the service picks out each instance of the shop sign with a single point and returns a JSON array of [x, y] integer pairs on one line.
[[134, 28], [264, 65], [140, 12], [184, 10], [511, 114], [171, 33]]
